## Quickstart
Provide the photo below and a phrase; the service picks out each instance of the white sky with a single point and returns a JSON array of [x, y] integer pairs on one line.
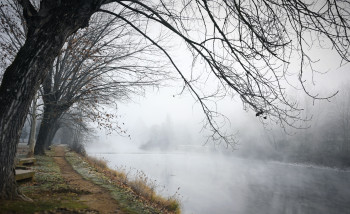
[[159, 105]]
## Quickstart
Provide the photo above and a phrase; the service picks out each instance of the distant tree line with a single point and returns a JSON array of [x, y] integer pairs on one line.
[[327, 141]]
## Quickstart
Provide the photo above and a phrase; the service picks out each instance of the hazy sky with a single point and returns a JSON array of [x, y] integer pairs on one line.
[[160, 105]]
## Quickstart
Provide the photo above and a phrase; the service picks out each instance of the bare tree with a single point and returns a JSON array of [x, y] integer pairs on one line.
[[246, 45], [98, 66], [80, 132]]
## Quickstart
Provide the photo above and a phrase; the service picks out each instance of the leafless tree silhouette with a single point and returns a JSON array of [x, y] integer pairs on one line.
[[99, 65]]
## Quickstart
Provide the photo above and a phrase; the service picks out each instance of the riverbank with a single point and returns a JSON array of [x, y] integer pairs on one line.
[[66, 182]]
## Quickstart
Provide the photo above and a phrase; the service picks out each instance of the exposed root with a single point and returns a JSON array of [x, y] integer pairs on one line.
[[23, 197]]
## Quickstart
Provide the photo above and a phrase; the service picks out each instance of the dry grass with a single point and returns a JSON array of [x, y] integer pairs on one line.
[[97, 162], [146, 188], [141, 185]]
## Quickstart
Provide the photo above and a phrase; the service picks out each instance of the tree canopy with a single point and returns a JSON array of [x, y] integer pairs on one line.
[[248, 46]]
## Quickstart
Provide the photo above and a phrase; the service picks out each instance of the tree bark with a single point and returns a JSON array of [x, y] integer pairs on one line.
[[47, 126], [20, 82], [47, 32], [30, 136], [32, 129], [49, 123], [52, 134]]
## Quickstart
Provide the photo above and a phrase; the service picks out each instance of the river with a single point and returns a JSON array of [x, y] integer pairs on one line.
[[214, 183]]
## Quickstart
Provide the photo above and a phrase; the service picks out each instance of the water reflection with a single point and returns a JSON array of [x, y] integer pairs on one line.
[[211, 183]]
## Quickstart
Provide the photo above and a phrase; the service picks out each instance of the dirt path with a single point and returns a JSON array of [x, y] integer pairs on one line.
[[95, 197]]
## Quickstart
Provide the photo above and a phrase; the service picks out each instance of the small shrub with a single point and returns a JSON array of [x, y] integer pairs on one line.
[[121, 176], [97, 162], [78, 148], [146, 188]]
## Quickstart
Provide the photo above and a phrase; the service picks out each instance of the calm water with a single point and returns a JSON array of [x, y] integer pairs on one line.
[[211, 183]]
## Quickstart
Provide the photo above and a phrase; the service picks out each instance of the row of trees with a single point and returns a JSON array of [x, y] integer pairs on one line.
[[245, 45], [80, 80], [98, 66]]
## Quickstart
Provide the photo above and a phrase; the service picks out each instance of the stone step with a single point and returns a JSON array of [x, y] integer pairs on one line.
[[22, 167], [26, 161], [22, 174]]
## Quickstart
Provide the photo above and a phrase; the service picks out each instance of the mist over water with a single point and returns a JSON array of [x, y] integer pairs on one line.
[[211, 182], [271, 172]]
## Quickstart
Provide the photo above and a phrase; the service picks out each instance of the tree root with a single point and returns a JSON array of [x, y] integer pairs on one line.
[[23, 197]]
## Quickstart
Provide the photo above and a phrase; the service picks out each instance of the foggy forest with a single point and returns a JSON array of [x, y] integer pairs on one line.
[[164, 106]]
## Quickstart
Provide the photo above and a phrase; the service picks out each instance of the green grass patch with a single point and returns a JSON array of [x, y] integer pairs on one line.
[[49, 192]]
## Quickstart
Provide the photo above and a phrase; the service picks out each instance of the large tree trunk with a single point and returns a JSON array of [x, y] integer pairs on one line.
[[20, 82], [32, 129], [52, 112], [47, 32], [47, 126], [30, 133], [52, 134]]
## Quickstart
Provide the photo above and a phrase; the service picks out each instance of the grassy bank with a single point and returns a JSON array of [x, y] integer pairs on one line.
[[134, 195], [51, 193]]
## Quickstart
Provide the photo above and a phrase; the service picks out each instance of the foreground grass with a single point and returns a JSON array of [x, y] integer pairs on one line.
[[49, 192], [133, 196]]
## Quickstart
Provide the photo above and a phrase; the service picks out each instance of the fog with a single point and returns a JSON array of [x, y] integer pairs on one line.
[[269, 170], [210, 182]]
